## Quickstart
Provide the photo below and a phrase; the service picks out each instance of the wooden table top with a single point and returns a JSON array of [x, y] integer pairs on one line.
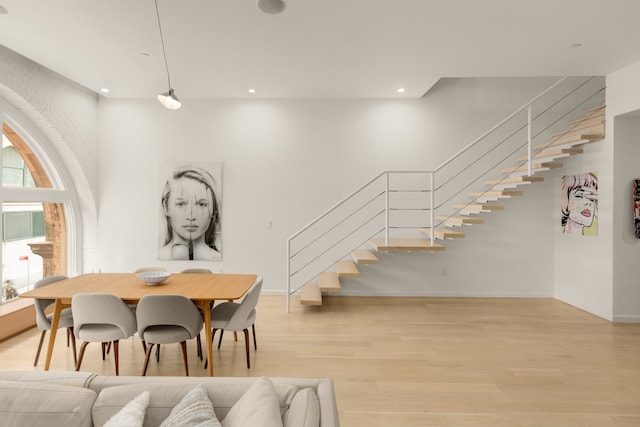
[[127, 286]]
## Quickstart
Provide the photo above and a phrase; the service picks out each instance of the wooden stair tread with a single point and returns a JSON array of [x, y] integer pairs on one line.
[[444, 233], [311, 294], [404, 245], [480, 207], [554, 153], [461, 219], [329, 282], [591, 126], [364, 256], [502, 193], [575, 139], [536, 167], [515, 179], [347, 269]]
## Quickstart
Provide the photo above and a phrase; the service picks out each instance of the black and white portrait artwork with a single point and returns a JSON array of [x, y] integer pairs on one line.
[[189, 226]]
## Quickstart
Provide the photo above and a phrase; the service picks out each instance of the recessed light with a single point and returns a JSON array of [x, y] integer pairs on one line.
[[400, 90], [575, 46], [104, 90], [252, 91]]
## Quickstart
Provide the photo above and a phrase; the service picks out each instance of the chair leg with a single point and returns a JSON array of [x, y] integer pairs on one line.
[[146, 358], [104, 347], [158, 353], [73, 345], [35, 362], [199, 346], [115, 355], [213, 335], [81, 355], [67, 337], [183, 345], [220, 339], [246, 346], [255, 343]]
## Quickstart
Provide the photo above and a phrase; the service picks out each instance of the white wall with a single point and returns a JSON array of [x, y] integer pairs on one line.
[[623, 100], [285, 162]]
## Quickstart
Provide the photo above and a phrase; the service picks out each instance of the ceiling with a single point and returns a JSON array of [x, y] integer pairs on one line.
[[317, 48]]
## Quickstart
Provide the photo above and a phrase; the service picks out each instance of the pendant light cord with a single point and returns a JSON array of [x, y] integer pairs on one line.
[[164, 54]]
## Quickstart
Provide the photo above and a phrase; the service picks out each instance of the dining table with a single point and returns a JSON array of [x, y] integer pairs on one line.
[[202, 289]]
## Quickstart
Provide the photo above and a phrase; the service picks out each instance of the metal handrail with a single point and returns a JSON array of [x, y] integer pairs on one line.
[[432, 188]]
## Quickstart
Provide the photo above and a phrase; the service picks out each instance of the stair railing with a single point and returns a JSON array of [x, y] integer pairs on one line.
[[372, 208]]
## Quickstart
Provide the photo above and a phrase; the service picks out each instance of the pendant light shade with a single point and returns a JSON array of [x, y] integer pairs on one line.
[[271, 6], [170, 100]]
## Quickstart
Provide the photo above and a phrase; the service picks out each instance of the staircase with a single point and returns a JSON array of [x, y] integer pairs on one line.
[[393, 201]]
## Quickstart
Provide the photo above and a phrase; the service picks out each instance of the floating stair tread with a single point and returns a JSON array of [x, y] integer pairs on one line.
[[503, 193], [536, 167], [364, 256], [444, 233], [575, 139], [405, 245], [595, 116], [461, 219], [311, 295], [329, 282], [554, 153], [515, 179], [347, 269], [479, 207], [591, 126]]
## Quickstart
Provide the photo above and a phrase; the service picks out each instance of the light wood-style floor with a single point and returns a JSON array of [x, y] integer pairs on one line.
[[422, 361]]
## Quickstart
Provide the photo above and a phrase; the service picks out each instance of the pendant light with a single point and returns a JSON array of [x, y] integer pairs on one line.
[[168, 99], [271, 7]]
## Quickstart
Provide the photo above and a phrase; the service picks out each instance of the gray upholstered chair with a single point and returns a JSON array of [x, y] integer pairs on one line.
[[101, 318], [43, 320], [197, 270], [166, 319], [231, 316]]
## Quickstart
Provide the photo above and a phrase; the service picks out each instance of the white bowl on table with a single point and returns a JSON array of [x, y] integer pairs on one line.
[[153, 278]]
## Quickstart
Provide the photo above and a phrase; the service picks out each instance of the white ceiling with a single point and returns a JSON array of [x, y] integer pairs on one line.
[[317, 48]]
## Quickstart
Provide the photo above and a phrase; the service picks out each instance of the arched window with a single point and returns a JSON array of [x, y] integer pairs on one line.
[[34, 207]]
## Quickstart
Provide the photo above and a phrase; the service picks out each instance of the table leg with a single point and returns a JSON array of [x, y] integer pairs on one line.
[[52, 334], [205, 306]]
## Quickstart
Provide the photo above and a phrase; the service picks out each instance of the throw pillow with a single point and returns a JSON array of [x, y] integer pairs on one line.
[[258, 406], [304, 410], [195, 409], [131, 414]]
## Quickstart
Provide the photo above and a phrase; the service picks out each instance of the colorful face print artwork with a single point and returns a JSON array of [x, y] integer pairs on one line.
[[189, 225], [580, 204]]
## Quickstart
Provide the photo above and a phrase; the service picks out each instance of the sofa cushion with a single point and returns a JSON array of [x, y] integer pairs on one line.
[[166, 395], [41, 404], [132, 414], [304, 410], [194, 410], [258, 406]]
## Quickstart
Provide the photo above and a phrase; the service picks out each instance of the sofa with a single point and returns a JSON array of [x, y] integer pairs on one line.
[[47, 398]]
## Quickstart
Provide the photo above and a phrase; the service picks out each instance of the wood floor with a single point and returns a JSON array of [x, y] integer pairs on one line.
[[467, 362]]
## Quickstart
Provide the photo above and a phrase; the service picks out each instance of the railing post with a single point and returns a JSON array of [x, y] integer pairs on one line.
[[386, 209], [288, 275], [529, 125], [432, 213]]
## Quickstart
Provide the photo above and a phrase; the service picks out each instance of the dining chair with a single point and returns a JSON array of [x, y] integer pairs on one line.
[[101, 318], [232, 316], [166, 319], [197, 270], [43, 319]]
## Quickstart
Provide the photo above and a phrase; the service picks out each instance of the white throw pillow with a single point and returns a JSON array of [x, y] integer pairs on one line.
[[304, 410], [258, 406], [195, 409], [131, 414]]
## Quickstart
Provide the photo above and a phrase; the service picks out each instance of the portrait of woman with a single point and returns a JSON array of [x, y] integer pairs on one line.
[[190, 214], [580, 204]]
